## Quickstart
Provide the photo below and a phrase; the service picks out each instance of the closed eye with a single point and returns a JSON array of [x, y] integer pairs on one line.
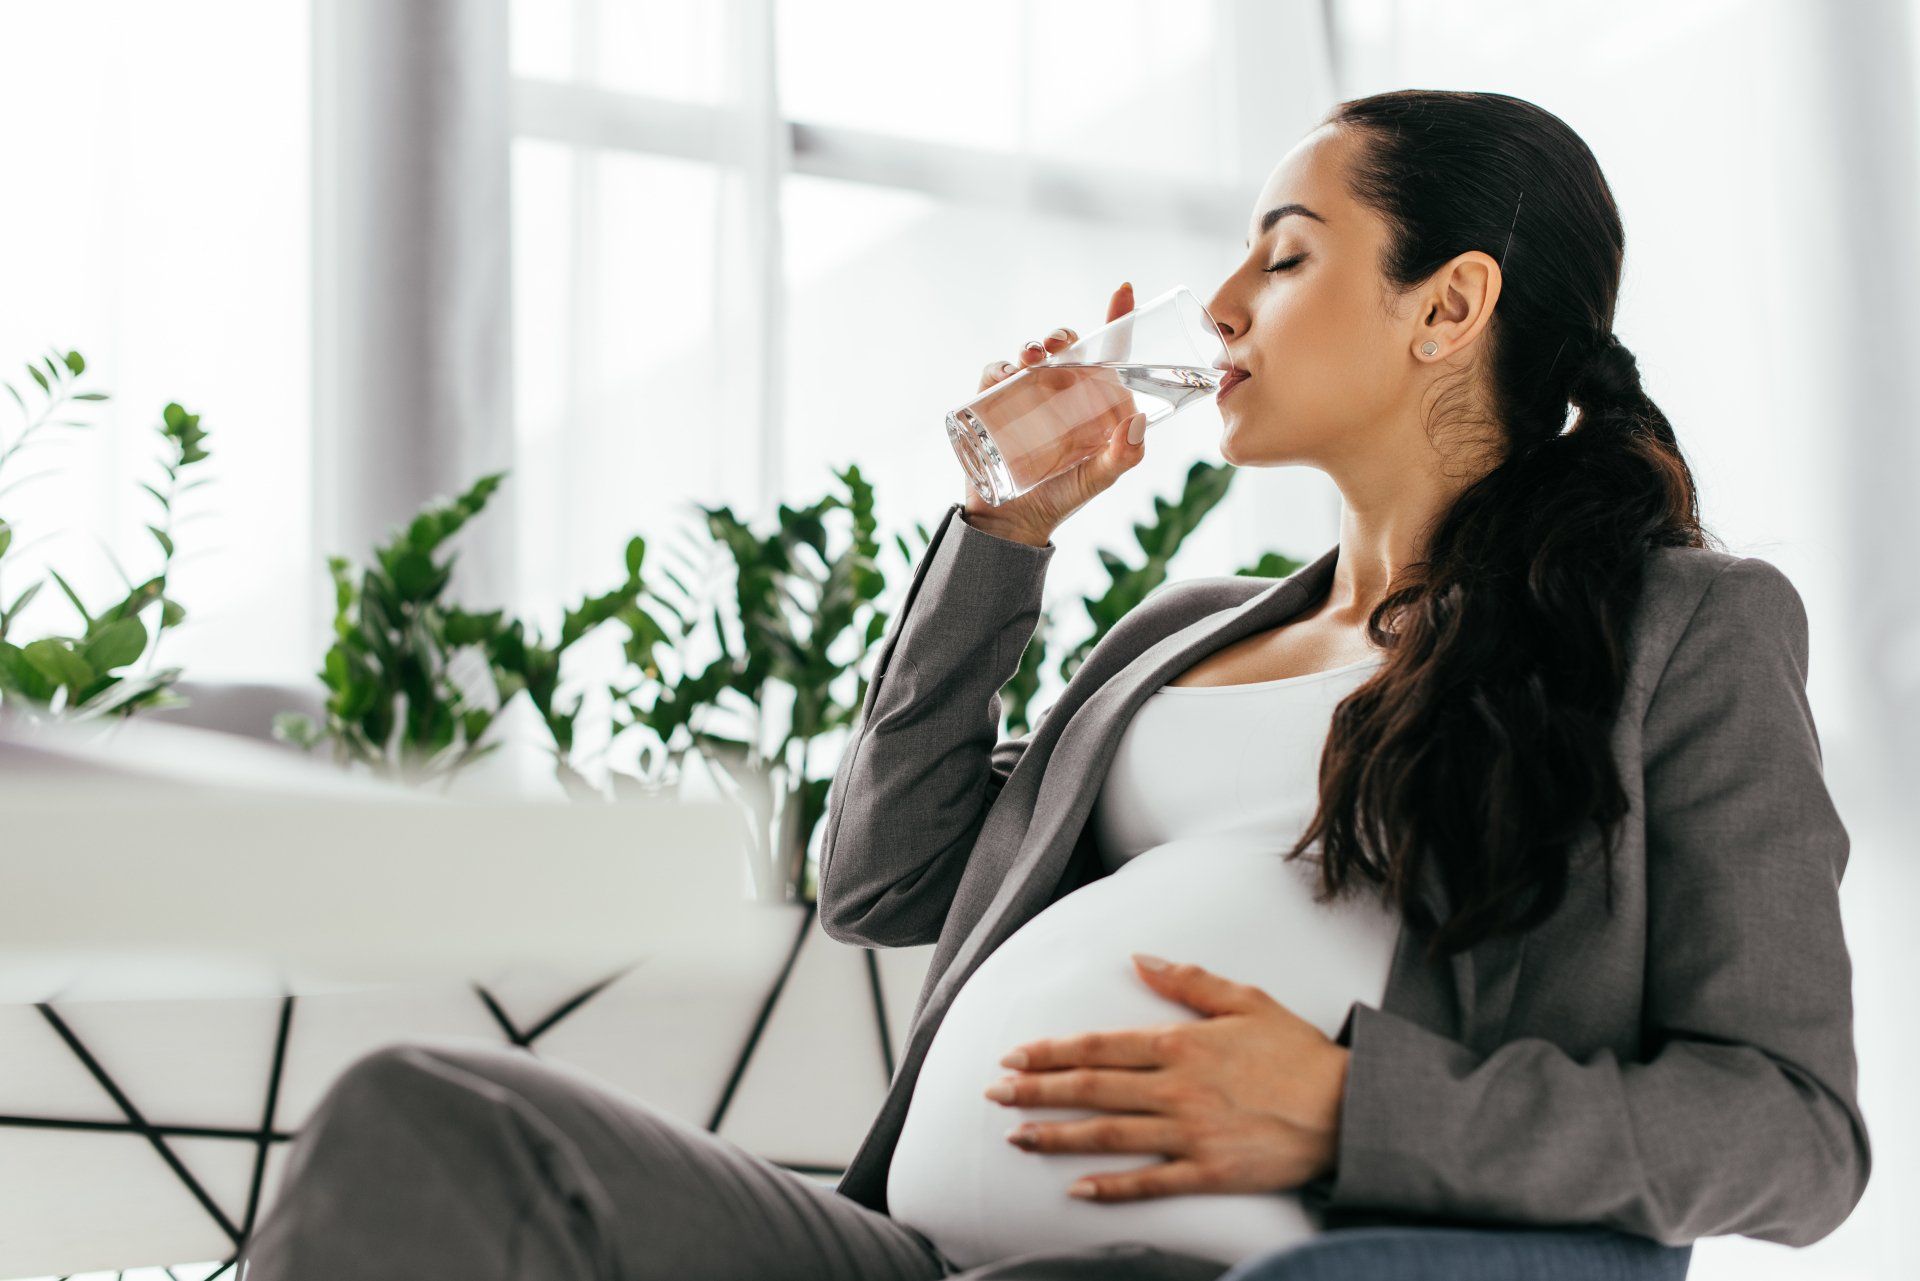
[[1285, 263]]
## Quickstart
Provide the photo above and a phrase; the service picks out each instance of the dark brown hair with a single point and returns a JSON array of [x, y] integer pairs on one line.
[[1483, 742]]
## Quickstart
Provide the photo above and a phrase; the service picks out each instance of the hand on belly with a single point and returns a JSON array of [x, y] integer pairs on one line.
[[1237, 1093], [1245, 1098]]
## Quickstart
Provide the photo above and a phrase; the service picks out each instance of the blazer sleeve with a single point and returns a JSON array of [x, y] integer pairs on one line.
[[1742, 1118], [925, 762]]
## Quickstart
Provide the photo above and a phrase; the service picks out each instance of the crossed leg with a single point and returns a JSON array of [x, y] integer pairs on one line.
[[455, 1158]]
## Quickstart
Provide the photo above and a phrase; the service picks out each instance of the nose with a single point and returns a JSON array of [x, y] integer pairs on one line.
[[1225, 329], [1221, 308]]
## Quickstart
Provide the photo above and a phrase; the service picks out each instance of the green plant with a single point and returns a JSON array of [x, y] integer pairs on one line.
[[804, 613], [86, 676], [793, 629], [395, 701]]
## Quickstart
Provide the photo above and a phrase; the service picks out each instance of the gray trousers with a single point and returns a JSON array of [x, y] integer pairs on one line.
[[460, 1158]]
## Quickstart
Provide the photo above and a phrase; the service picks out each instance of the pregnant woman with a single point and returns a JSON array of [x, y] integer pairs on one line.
[[1490, 853]]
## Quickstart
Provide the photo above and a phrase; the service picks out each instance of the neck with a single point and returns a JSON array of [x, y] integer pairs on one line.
[[1385, 521]]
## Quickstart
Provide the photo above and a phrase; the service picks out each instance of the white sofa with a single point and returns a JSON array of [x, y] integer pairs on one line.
[[146, 1126]]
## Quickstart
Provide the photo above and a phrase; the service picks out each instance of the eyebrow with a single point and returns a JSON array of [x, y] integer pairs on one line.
[[1272, 216]]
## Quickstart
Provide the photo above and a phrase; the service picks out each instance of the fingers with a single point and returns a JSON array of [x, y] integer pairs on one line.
[[1036, 351], [1119, 1133], [1160, 1179], [995, 370], [1116, 1089], [1115, 1047], [1033, 353], [1126, 446], [1053, 344]]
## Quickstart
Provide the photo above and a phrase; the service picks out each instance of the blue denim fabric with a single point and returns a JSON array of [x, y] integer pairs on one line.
[[1392, 1253]]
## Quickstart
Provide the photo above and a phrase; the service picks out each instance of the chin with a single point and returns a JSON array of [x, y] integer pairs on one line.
[[1251, 440], [1233, 447], [1237, 458]]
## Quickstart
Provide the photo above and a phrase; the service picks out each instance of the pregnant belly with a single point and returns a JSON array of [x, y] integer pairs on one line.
[[1241, 912]]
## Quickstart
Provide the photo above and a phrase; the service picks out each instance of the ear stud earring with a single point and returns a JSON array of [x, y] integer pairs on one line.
[[1428, 348]]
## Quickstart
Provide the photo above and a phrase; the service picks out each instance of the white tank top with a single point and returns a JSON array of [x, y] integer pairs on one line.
[[1208, 787]]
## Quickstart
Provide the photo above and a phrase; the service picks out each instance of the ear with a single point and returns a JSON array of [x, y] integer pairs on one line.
[[1458, 304]]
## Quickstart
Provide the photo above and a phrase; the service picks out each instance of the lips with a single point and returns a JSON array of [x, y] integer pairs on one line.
[[1233, 379]]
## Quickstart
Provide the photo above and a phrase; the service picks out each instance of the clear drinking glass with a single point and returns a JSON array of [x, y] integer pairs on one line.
[[1157, 359]]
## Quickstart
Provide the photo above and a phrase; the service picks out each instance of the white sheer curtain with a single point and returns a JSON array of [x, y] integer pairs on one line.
[[156, 220], [412, 307], [647, 156]]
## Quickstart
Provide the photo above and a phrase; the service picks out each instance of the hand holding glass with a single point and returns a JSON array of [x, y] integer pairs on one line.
[[1051, 417]]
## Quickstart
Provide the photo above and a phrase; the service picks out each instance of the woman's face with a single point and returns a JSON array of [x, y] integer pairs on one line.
[[1327, 348]]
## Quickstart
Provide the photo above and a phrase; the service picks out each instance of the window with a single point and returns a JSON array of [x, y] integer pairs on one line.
[[755, 242]]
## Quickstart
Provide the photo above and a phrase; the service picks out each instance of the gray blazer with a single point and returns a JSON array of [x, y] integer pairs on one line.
[[1682, 1068]]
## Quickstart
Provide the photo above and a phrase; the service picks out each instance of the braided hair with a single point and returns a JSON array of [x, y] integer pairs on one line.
[[1482, 745]]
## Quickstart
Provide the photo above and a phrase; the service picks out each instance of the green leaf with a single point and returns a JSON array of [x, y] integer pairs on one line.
[[463, 628], [136, 599], [674, 578], [90, 395], [19, 602], [161, 536], [54, 659], [416, 577], [75, 363], [19, 676], [39, 378], [116, 644], [6, 536], [424, 534], [72, 596]]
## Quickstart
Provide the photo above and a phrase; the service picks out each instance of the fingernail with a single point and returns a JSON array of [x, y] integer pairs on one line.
[[1014, 1059], [1126, 284], [1000, 1092], [1137, 429], [1149, 961], [1083, 1189], [1036, 346]]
